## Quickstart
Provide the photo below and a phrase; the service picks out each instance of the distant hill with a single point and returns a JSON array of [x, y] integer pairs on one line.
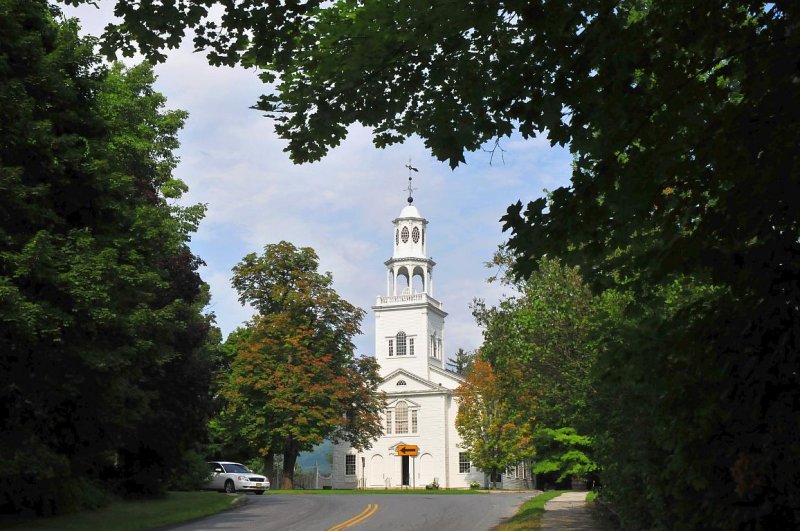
[[319, 455]]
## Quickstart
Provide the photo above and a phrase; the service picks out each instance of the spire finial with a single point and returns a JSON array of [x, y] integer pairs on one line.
[[410, 190]]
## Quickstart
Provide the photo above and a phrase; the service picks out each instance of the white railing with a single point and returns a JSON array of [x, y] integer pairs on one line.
[[416, 297]]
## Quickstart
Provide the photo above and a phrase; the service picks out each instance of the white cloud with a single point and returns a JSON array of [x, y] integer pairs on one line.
[[343, 205]]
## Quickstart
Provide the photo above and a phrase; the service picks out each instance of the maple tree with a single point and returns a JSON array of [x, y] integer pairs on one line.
[[496, 432], [294, 379]]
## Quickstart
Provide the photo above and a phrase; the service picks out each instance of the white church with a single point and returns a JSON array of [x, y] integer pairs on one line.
[[421, 405]]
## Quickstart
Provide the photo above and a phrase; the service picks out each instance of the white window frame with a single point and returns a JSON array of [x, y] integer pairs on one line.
[[464, 464], [401, 343], [348, 465], [401, 417]]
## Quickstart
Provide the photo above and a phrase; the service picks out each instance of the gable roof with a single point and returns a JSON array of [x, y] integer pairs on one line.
[[409, 376]]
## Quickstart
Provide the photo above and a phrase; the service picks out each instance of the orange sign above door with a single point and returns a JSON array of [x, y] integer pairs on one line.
[[408, 449]]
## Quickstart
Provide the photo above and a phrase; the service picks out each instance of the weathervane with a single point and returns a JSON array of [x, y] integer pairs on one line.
[[410, 190]]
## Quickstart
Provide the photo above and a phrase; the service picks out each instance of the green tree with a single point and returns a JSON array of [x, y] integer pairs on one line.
[[563, 451], [462, 363], [539, 340], [101, 301], [496, 433], [294, 380]]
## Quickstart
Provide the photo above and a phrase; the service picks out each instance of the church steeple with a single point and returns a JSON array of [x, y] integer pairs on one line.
[[409, 322]]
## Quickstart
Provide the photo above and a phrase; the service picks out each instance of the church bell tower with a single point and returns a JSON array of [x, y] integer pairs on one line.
[[409, 322]]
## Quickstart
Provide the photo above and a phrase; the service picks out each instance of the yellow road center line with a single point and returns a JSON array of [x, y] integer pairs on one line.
[[357, 519]]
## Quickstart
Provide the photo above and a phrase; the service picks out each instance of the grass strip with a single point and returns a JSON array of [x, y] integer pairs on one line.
[[369, 492], [529, 515], [137, 515]]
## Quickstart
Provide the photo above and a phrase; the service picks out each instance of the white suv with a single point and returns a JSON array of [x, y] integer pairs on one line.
[[230, 477]]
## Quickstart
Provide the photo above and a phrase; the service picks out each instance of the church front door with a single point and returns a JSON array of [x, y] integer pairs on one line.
[[406, 474]]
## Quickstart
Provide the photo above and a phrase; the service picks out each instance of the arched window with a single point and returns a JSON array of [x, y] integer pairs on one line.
[[401, 382], [401, 343], [401, 417]]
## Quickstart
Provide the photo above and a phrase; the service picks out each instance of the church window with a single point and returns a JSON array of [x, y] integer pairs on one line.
[[401, 382], [404, 234], [388, 421], [349, 465], [413, 421], [401, 343], [423, 236], [410, 346], [391, 348], [463, 462], [415, 234], [401, 418], [396, 237]]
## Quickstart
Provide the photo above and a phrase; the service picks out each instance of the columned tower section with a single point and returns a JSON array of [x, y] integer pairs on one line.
[[409, 321]]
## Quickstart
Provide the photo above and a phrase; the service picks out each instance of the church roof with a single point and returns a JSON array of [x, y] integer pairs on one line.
[[410, 211], [426, 384]]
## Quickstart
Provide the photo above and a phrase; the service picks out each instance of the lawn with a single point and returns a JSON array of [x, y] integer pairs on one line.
[[530, 513], [378, 491], [176, 507]]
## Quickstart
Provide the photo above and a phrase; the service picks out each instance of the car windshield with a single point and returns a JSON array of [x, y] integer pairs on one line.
[[235, 468]]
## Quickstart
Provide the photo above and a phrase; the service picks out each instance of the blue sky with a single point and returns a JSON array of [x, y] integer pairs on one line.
[[342, 206]]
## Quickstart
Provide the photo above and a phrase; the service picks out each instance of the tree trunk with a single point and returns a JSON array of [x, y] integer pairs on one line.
[[269, 467], [494, 478], [289, 459]]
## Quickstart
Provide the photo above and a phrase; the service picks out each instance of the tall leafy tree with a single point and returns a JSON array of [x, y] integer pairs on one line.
[[538, 340], [294, 380], [101, 300], [496, 432]]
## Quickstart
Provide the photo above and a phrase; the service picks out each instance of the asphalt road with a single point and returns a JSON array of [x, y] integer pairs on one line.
[[365, 512]]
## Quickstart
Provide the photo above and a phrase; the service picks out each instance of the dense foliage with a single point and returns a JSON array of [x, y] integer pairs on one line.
[[563, 451], [684, 123], [294, 380], [538, 340], [103, 374], [540, 344], [496, 432]]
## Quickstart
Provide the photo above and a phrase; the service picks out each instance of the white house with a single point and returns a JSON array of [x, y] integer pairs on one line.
[[421, 406]]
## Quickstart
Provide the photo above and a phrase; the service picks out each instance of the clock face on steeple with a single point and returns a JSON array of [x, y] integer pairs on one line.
[[415, 234], [404, 234]]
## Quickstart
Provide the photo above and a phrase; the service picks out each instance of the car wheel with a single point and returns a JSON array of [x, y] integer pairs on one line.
[[259, 492], [230, 488]]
